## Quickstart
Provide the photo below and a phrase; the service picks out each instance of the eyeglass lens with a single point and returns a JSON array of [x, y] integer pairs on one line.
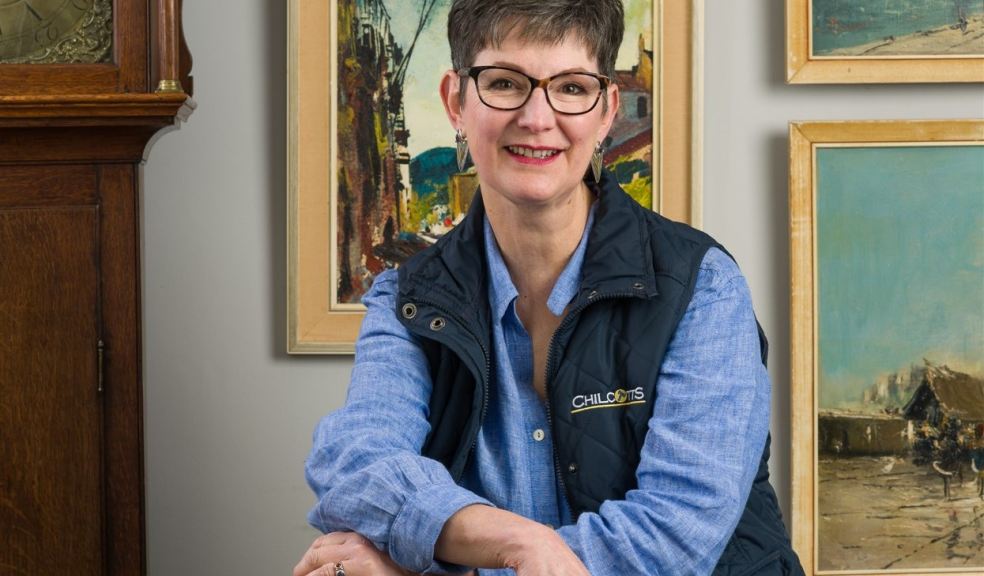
[[507, 89]]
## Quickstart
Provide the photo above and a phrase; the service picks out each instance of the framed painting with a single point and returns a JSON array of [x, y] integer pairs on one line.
[[884, 41], [372, 177], [887, 264]]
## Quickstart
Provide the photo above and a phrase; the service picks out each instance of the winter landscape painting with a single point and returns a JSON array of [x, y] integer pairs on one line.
[[879, 28], [899, 288], [395, 187]]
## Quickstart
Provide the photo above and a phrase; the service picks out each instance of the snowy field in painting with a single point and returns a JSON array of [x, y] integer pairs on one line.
[[889, 514]]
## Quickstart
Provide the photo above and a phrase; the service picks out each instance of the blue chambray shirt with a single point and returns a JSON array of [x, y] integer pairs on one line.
[[709, 424]]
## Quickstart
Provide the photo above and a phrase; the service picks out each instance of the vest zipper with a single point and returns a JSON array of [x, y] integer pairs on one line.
[[564, 325]]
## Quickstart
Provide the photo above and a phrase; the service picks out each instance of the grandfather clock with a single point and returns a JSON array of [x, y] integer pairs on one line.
[[85, 85]]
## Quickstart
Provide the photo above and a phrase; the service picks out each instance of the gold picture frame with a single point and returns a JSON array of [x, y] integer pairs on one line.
[[315, 326], [807, 64], [859, 428]]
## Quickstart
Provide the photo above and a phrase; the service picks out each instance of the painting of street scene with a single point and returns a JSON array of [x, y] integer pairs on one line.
[[396, 187], [900, 425], [914, 28]]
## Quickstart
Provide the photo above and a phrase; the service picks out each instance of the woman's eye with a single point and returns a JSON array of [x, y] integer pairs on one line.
[[572, 89], [502, 84]]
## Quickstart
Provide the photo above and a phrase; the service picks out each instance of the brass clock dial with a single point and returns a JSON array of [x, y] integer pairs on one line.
[[55, 31]]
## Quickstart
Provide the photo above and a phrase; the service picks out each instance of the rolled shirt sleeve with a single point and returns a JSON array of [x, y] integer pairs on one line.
[[706, 435], [365, 466]]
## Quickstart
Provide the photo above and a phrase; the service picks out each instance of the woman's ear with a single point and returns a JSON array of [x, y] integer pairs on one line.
[[610, 112], [451, 97]]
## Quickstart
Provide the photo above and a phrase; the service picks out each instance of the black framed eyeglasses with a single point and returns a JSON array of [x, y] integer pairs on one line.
[[570, 93]]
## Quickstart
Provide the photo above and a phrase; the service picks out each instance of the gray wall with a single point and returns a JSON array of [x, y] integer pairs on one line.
[[228, 415]]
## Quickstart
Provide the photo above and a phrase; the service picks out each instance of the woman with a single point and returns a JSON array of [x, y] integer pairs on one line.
[[563, 358]]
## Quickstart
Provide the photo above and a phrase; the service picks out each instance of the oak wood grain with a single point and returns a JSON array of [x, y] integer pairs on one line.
[[50, 412], [37, 186], [123, 389]]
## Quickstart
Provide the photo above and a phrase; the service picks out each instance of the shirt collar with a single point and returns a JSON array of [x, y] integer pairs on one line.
[[502, 291]]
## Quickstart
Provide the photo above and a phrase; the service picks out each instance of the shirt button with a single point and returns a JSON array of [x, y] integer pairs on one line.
[[539, 435]]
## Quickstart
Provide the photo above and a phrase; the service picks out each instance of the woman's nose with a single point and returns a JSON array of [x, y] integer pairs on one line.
[[536, 114]]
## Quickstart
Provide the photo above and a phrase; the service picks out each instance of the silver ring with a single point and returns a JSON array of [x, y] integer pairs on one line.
[[339, 569]]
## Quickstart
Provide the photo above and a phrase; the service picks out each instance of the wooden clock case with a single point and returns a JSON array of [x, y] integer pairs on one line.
[[72, 138]]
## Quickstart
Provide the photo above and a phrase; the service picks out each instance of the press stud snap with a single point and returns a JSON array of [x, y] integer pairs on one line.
[[437, 324], [638, 286], [572, 467], [409, 311]]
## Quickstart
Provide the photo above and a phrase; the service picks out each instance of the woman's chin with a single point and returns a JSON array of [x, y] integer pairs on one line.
[[528, 192]]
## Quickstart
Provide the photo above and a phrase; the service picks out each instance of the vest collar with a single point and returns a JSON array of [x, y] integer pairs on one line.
[[618, 261]]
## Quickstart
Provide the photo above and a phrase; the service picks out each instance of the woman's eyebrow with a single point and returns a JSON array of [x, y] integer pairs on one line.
[[517, 67]]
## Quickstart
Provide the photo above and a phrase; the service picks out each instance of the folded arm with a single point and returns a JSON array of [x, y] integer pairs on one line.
[[365, 467], [709, 426], [375, 489]]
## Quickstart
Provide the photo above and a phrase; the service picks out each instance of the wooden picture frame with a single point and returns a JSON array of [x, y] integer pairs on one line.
[[808, 63], [839, 218], [315, 324]]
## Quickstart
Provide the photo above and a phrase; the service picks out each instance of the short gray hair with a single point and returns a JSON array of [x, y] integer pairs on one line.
[[474, 25]]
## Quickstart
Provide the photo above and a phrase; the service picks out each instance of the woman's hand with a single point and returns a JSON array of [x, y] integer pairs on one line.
[[489, 537], [544, 554], [358, 556]]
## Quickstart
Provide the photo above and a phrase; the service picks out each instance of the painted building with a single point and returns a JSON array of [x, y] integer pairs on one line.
[[852, 434], [372, 173], [632, 131], [946, 394]]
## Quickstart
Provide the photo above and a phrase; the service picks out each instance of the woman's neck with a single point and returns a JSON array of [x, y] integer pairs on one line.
[[537, 242]]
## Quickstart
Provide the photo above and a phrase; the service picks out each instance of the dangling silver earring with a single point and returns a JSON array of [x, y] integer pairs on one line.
[[596, 161], [461, 142]]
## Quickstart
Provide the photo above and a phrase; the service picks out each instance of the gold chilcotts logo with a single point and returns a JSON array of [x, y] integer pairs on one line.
[[615, 399]]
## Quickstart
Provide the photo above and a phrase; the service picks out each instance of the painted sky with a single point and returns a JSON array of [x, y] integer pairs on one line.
[[426, 120], [900, 262]]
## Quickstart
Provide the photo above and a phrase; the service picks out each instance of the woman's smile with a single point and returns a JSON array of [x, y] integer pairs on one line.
[[535, 155]]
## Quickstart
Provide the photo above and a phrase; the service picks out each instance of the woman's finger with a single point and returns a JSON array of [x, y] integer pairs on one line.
[[329, 569], [320, 557], [359, 557]]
